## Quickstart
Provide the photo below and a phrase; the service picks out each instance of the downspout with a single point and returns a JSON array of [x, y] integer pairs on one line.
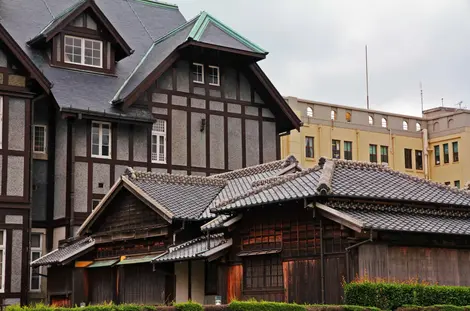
[[357, 146], [208, 246], [424, 133], [392, 147], [322, 270], [319, 142], [347, 249]]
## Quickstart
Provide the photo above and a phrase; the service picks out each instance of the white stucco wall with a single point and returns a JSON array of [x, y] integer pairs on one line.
[[59, 234], [197, 281]]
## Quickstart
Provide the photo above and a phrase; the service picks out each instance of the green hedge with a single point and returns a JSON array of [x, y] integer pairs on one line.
[[435, 308], [191, 306], [389, 296]]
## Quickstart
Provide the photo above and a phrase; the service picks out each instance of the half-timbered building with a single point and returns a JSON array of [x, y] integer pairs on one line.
[[90, 87], [272, 231]]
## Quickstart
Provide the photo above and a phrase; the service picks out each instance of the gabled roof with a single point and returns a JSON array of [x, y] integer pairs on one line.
[[24, 59], [241, 181], [68, 15], [196, 248], [171, 196], [208, 29], [347, 179], [65, 254]]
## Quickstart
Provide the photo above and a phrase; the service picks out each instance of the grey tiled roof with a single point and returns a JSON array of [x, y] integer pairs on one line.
[[341, 178], [186, 197], [278, 189], [243, 180], [376, 181], [406, 218], [62, 254], [80, 90], [215, 223], [192, 249]]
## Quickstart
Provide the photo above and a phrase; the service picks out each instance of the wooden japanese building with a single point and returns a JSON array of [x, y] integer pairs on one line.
[[272, 231]]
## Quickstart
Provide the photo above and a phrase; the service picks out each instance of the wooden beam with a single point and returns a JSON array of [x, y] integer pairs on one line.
[[339, 217]]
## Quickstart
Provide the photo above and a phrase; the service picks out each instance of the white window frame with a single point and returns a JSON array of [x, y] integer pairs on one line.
[[100, 142], [3, 248], [82, 63], [45, 138], [202, 67], [36, 250], [159, 134], [218, 75]]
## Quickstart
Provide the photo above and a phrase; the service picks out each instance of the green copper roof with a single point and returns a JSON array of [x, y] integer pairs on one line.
[[204, 19], [103, 263], [135, 260]]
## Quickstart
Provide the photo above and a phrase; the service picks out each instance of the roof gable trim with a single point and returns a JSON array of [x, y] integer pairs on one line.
[[24, 59], [341, 218], [203, 21]]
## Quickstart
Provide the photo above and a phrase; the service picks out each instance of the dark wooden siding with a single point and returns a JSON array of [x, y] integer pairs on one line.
[[234, 282], [102, 284], [139, 284], [444, 266], [302, 279]]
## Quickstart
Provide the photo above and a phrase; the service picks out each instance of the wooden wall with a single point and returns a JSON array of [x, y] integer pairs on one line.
[[444, 266]]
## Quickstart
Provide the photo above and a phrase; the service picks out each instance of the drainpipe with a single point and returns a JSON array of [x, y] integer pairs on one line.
[[319, 142], [392, 149], [347, 249], [424, 133], [322, 270], [357, 146], [208, 240]]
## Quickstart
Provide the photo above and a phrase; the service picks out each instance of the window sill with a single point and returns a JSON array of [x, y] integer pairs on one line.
[[158, 162], [100, 157], [40, 156], [198, 82], [409, 170], [212, 84], [310, 159]]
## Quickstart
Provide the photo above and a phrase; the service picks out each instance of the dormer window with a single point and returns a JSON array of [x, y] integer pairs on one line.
[[81, 51], [198, 73]]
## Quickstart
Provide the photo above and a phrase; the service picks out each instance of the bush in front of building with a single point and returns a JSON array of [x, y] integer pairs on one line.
[[252, 305], [189, 306], [435, 308], [390, 296]]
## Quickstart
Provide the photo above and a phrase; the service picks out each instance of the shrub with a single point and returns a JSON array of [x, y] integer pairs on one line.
[[253, 305], [389, 296], [189, 306]]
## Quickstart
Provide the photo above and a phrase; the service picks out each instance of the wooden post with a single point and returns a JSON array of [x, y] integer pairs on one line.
[[189, 279]]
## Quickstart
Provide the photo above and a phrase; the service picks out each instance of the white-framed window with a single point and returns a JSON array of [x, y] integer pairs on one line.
[[309, 112], [3, 239], [36, 252], [101, 139], [214, 76], [159, 141], [83, 51], [384, 122], [198, 73], [39, 139]]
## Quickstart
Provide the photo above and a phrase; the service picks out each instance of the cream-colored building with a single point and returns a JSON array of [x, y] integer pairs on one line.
[[432, 146]]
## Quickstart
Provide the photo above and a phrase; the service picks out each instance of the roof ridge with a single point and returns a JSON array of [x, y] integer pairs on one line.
[[159, 3], [174, 179], [278, 180], [398, 209], [193, 241], [63, 13], [380, 167], [251, 170], [154, 43]]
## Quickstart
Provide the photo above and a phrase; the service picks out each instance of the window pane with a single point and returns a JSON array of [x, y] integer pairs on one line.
[[198, 73], [35, 240], [95, 149], [1, 239], [105, 151]]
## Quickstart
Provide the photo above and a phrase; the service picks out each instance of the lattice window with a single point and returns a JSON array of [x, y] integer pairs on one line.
[[159, 142], [198, 73], [214, 76], [262, 272], [39, 138], [83, 51], [263, 236]]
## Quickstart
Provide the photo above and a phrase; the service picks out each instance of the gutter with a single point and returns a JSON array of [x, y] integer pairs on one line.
[[347, 249]]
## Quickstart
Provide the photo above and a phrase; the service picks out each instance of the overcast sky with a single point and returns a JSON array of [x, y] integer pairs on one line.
[[316, 48]]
